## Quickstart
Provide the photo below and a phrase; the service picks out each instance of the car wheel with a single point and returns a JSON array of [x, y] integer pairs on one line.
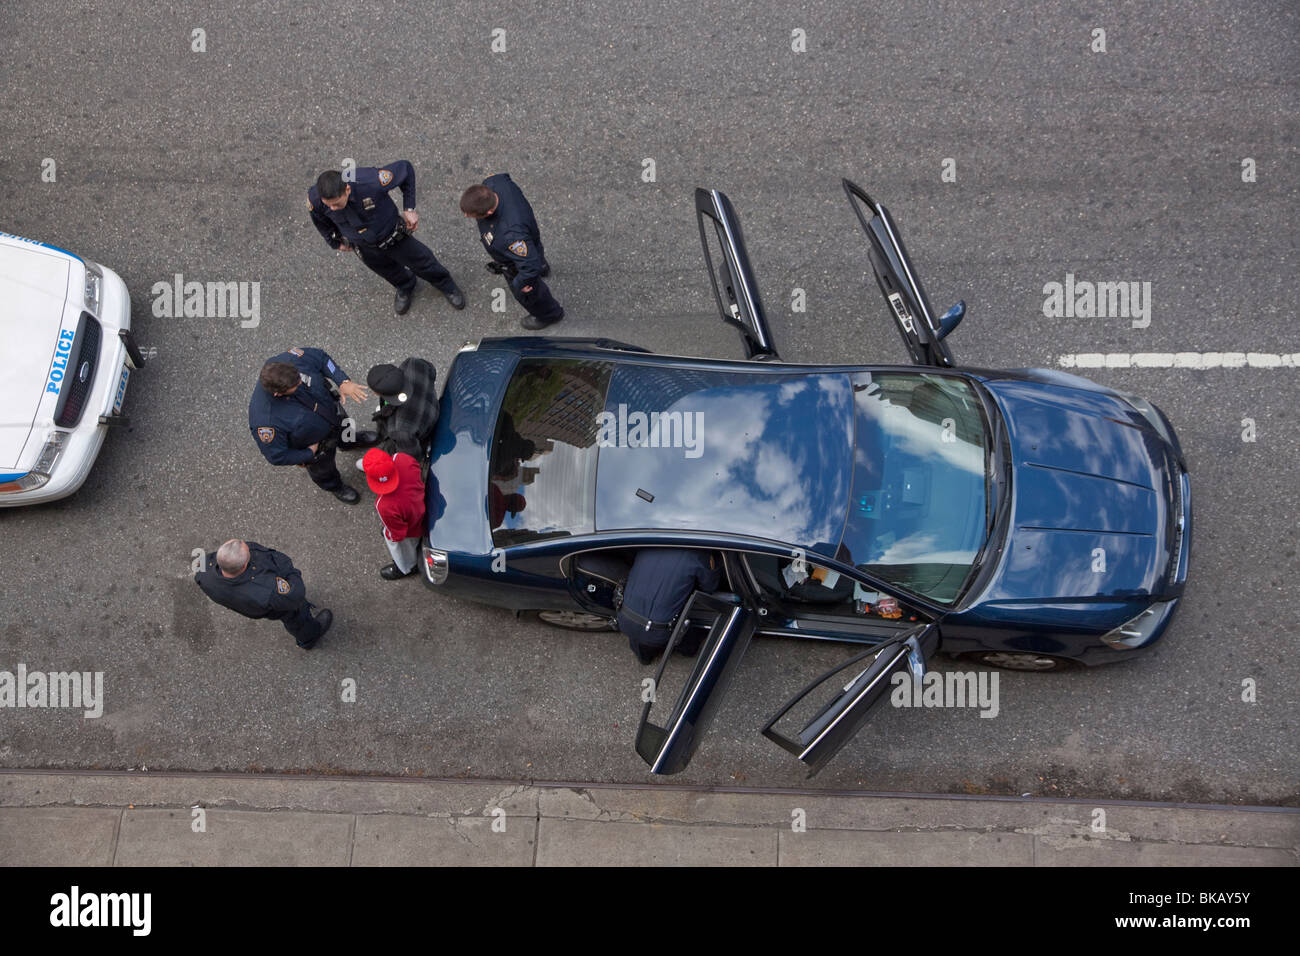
[[1020, 661], [575, 620]]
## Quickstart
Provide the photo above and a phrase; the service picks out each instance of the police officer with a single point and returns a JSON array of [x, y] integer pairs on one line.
[[408, 405], [659, 585], [261, 582], [509, 232], [361, 215], [296, 419]]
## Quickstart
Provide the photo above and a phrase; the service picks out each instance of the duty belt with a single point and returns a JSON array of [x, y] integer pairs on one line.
[[645, 622], [394, 238]]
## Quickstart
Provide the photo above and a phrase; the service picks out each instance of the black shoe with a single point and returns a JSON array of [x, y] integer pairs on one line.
[[391, 572], [325, 618], [402, 301], [347, 494], [496, 268], [363, 440], [645, 656], [532, 323], [456, 298]]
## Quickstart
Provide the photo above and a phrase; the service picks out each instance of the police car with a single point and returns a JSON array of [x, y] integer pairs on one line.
[[65, 325]]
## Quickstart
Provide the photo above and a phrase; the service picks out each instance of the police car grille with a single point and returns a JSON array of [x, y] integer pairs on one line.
[[73, 401]]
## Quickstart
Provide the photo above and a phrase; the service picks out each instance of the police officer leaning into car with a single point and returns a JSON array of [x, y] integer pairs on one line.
[[658, 586], [296, 420], [261, 582], [361, 215], [509, 232]]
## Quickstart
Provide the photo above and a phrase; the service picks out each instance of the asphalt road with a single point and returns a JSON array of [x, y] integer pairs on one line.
[[1122, 165]]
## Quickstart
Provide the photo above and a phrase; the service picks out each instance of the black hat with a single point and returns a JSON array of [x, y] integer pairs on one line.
[[386, 379]]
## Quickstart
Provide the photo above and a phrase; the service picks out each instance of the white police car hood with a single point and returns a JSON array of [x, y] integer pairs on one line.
[[35, 307]]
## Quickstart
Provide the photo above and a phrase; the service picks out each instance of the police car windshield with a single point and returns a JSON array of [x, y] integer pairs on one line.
[[917, 508], [543, 463]]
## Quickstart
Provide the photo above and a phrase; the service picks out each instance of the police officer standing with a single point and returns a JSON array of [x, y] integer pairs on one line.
[[296, 419], [361, 215], [508, 228], [658, 586], [261, 582]]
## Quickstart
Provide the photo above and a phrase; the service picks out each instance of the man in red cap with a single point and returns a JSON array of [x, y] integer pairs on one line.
[[396, 480]]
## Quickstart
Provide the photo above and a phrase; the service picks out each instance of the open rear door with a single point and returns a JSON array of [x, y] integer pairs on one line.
[[668, 747], [900, 284], [840, 719], [737, 292]]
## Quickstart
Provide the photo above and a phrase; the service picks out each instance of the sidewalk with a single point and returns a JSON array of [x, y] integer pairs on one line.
[[141, 818]]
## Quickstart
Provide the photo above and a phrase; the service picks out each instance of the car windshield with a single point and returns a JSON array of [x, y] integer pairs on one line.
[[543, 464], [917, 508]]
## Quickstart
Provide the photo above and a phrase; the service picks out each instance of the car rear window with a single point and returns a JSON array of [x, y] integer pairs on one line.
[[543, 465]]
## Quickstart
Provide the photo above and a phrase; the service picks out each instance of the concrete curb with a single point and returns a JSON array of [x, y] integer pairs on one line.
[[140, 818]]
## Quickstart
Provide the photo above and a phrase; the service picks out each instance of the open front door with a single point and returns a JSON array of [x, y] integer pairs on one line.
[[900, 284], [840, 719], [668, 748], [737, 293]]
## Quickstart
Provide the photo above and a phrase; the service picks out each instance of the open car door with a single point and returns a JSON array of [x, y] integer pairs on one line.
[[839, 720], [737, 294], [668, 748], [900, 284]]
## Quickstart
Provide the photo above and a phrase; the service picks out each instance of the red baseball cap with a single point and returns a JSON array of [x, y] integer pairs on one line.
[[381, 471]]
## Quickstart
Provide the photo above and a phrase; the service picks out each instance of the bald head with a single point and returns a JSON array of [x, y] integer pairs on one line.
[[232, 557]]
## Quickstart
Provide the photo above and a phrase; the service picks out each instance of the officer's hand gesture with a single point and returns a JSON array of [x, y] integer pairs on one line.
[[412, 218], [345, 247], [351, 389]]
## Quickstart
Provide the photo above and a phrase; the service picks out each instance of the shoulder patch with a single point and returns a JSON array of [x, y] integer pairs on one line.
[[282, 585], [266, 435], [297, 352], [385, 177], [519, 248]]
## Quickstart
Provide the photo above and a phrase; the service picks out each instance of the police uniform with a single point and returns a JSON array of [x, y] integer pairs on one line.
[[270, 587], [659, 585], [514, 242], [371, 222], [284, 426]]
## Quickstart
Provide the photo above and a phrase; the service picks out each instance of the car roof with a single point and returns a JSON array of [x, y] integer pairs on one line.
[[726, 451]]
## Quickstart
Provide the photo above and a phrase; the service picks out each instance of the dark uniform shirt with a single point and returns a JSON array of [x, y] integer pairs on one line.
[[410, 424], [661, 582], [370, 215], [284, 426], [510, 234], [269, 587]]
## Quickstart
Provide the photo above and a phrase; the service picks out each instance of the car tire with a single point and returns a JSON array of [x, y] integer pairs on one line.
[[572, 620], [1020, 661]]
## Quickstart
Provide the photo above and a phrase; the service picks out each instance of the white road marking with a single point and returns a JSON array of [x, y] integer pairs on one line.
[[1193, 360]]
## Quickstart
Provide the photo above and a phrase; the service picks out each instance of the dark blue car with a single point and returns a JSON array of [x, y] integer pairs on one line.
[[1027, 519]]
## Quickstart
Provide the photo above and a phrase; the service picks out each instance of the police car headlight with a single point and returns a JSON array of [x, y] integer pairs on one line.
[[44, 467], [436, 565], [94, 288], [1137, 632]]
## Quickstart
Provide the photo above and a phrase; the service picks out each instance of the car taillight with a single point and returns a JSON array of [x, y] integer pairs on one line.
[[436, 566]]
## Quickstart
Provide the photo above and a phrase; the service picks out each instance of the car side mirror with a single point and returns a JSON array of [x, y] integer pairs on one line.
[[949, 320]]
